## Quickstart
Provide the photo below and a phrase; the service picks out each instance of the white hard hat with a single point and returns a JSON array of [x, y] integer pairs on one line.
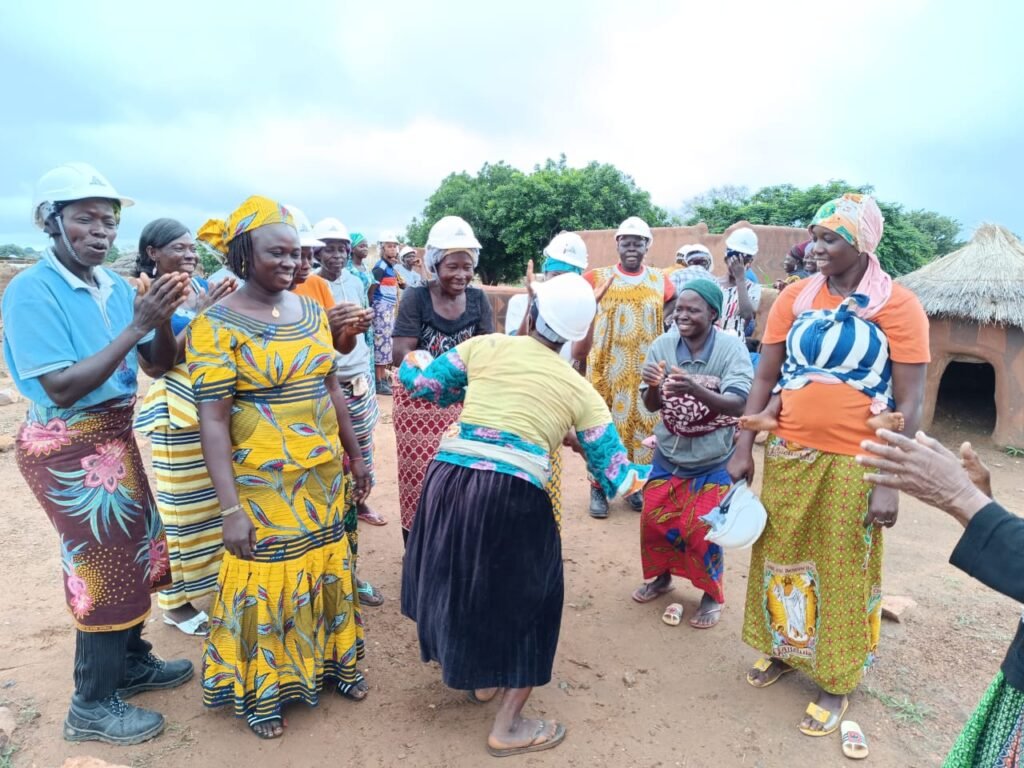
[[452, 232], [387, 236], [738, 520], [743, 240], [683, 250], [68, 182], [634, 225], [305, 229], [567, 305], [331, 229], [406, 251], [568, 247]]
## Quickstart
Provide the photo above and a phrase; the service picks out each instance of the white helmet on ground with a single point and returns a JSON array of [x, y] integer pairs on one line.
[[305, 229], [568, 247], [331, 229], [69, 182], [565, 305], [738, 520], [634, 225], [743, 240]]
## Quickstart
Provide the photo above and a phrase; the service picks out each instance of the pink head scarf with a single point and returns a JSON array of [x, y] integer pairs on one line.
[[859, 221]]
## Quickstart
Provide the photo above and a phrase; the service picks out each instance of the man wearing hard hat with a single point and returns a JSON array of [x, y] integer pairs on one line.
[[742, 294], [628, 320]]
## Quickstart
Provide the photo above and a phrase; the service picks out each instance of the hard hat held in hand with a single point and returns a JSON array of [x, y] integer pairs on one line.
[[452, 232], [331, 229], [634, 225], [69, 182], [738, 521], [306, 237], [743, 240], [567, 304], [568, 247]]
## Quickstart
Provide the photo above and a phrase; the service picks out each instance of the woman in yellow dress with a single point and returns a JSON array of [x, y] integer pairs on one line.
[[273, 421]]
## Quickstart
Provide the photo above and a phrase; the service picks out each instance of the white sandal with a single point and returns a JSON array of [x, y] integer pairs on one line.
[[191, 626]]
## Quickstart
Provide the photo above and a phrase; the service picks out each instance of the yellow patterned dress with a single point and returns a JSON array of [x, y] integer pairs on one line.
[[628, 320], [287, 621]]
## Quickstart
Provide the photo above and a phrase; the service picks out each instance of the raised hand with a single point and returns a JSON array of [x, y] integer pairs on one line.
[[165, 295], [215, 293]]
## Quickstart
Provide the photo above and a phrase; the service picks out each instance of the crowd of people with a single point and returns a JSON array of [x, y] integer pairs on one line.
[[264, 403]]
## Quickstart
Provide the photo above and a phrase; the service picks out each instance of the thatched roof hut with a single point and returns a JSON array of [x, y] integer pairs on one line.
[[974, 298], [982, 282]]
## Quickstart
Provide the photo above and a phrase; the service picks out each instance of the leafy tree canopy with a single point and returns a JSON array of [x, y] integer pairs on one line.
[[515, 214], [911, 238]]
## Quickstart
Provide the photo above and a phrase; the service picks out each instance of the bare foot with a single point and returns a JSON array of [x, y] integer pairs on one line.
[[976, 469], [269, 729], [891, 420], [523, 733], [482, 695], [759, 422]]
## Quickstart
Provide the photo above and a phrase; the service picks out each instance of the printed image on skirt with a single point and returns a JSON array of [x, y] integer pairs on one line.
[[85, 469], [483, 578]]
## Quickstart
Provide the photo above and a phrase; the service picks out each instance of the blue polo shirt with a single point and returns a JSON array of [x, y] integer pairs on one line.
[[52, 319]]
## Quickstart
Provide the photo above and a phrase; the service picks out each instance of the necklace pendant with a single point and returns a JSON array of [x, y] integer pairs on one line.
[[275, 312]]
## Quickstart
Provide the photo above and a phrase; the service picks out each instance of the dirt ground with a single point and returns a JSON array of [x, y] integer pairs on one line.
[[632, 691]]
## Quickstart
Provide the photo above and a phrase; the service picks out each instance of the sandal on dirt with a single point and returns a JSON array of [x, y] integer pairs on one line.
[[855, 746], [472, 696], [197, 626], [534, 746], [716, 612], [254, 721], [673, 614], [369, 596], [829, 721], [372, 517], [763, 665], [645, 594], [356, 691]]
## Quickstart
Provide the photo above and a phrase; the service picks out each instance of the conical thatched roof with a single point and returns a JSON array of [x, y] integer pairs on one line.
[[982, 282]]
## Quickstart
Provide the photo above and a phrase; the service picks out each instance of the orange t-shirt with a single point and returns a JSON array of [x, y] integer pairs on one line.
[[317, 289], [832, 417]]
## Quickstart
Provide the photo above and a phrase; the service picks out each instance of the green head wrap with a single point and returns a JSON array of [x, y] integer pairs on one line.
[[709, 291]]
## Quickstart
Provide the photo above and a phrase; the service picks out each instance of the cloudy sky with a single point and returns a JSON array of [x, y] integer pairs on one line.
[[358, 113]]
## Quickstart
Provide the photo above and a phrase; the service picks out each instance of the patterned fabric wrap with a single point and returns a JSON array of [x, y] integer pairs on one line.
[[419, 427], [814, 596], [837, 346], [672, 533], [287, 620], [255, 212], [687, 416], [383, 326], [628, 320], [364, 412], [554, 487], [994, 736], [444, 381], [84, 467]]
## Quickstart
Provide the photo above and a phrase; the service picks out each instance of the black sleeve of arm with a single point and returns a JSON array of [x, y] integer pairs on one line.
[[991, 550], [410, 315]]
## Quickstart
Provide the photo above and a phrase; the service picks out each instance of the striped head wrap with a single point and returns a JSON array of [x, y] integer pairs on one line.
[[255, 212]]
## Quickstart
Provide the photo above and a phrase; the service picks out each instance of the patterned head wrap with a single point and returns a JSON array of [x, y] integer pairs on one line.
[[858, 220], [357, 238], [255, 212]]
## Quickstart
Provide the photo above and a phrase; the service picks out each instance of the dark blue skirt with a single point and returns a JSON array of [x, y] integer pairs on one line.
[[483, 578]]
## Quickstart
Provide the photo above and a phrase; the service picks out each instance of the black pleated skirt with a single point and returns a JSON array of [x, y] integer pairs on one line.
[[483, 578]]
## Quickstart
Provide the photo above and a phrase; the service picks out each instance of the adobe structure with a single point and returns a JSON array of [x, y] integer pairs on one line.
[[974, 298]]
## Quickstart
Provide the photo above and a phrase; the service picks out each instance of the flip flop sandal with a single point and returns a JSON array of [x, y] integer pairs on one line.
[[193, 626], [673, 614], [356, 691], [372, 517], [829, 721], [254, 721], [644, 594], [855, 746], [534, 746], [716, 612], [763, 665], [369, 596]]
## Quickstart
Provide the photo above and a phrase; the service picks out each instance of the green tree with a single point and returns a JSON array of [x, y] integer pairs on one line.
[[209, 260], [112, 255], [911, 239], [11, 251], [515, 214]]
